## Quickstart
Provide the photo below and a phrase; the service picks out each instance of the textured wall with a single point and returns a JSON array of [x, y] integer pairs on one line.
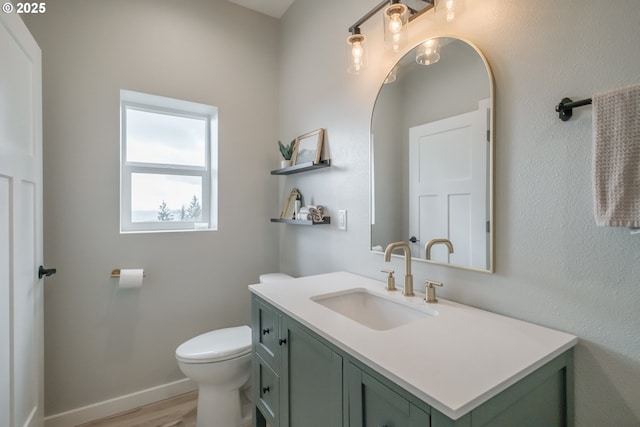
[[100, 342], [554, 267]]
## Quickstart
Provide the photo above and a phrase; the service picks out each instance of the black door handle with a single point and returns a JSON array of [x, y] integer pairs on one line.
[[45, 272]]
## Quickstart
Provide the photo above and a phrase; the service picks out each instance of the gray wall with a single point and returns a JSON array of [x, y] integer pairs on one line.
[[100, 342], [554, 267]]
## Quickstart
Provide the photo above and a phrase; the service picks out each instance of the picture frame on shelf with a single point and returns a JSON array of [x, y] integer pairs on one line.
[[308, 148]]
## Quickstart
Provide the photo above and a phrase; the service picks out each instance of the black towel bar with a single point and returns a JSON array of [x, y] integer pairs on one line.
[[566, 106]]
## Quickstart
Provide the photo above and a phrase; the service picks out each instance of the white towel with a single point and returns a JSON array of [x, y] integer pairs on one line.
[[616, 157]]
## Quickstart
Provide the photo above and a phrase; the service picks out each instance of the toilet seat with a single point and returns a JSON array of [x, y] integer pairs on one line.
[[216, 346]]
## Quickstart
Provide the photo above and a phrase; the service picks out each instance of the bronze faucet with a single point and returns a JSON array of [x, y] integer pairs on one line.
[[408, 278]]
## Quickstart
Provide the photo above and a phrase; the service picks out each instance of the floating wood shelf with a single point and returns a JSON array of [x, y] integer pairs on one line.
[[302, 167], [327, 220]]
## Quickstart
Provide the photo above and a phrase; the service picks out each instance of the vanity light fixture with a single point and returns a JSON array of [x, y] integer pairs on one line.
[[396, 15], [356, 52], [395, 18]]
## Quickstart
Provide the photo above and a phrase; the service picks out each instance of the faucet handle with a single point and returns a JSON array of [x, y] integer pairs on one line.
[[391, 281], [431, 291]]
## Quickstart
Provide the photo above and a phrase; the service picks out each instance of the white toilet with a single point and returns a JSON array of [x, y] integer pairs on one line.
[[220, 362]]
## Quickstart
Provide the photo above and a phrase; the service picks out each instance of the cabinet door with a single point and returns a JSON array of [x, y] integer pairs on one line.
[[372, 404], [311, 381]]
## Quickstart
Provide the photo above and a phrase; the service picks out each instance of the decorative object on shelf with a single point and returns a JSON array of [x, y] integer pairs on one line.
[[287, 152], [289, 205], [306, 215], [308, 147], [296, 207], [312, 213]]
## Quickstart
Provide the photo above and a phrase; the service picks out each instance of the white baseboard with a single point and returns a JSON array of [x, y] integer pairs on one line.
[[119, 404]]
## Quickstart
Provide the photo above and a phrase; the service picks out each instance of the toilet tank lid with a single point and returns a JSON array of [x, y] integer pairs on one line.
[[221, 344], [274, 277]]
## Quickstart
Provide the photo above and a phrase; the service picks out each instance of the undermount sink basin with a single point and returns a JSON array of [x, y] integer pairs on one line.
[[371, 310]]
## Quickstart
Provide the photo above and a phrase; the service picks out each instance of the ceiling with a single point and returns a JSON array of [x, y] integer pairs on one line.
[[275, 8]]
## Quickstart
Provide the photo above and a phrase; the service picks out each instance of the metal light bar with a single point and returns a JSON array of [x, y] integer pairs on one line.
[[355, 28]]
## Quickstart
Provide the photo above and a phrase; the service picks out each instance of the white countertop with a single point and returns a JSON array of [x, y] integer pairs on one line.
[[454, 361]]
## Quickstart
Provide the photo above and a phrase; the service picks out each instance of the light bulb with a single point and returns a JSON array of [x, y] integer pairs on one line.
[[356, 56], [395, 23], [356, 51]]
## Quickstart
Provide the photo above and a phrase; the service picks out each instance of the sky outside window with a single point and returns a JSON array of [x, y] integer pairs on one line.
[[154, 137]]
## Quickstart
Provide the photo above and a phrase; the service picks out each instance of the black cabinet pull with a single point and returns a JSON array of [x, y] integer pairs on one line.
[[265, 389], [282, 341], [265, 331]]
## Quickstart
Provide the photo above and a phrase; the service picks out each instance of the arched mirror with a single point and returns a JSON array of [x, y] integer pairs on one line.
[[432, 155]]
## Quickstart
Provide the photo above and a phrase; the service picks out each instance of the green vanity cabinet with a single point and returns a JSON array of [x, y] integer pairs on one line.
[[297, 380], [302, 380]]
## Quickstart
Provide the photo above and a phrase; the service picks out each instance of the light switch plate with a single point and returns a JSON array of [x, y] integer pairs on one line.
[[342, 219]]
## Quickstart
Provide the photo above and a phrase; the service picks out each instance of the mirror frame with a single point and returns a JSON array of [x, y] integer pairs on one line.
[[491, 142]]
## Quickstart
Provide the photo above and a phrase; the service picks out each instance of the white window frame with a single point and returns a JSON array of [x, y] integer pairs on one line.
[[208, 172]]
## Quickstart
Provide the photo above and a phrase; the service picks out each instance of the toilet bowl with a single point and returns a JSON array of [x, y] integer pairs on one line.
[[220, 363]]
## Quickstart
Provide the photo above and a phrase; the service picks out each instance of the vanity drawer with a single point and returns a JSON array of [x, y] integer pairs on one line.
[[266, 390], [266, 332]]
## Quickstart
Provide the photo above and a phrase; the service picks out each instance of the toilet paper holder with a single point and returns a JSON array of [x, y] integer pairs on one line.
[[115, 273]]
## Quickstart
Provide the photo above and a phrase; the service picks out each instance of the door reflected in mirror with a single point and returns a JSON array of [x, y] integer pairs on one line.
[[432, 155]]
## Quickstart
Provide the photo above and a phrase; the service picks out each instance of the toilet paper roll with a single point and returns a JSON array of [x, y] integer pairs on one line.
[[130, 278]]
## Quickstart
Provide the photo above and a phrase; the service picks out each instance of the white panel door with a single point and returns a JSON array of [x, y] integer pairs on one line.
[[448, 187], [21, 311]]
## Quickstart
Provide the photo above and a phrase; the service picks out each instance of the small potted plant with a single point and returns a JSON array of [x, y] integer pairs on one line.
[[287, 152]]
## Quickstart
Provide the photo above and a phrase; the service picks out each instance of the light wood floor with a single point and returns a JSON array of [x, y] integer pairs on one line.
[[179, 411]]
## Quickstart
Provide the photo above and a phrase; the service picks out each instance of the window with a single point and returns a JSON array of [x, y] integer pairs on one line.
[[168, 165]]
